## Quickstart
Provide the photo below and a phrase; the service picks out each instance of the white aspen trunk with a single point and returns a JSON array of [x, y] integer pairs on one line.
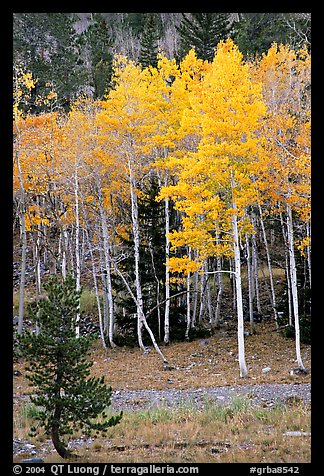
[[294, 289], [105, 292], [102, 335], [143, 319], [77, 244], [238, 286], [273, 295], [287, 271], [188, 303], [255, 270], [195, 303], [22, 277], [220, 285], [107, 259], [209, 305], [232, 282], [167, 272], [250, 283], [308, 254], [289, 296], [70, 246], [37, 275], [205, 295], [157, 289], [239, 302], [203, 279], [64, 239], [136, 238], [23, 235]]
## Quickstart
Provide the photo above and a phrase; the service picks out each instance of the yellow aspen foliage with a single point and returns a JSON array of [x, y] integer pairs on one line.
[[285, 162], [225, 111]]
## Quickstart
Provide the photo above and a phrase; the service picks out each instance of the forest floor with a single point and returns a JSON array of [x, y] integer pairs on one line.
[[207, 362], [201, 370]]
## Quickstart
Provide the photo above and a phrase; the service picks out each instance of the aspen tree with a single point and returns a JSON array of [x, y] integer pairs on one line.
[[22, 81], [126, 122], [285, 163], [215, 181]]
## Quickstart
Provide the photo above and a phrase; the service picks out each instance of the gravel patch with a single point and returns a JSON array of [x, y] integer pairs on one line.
[[267, 394]]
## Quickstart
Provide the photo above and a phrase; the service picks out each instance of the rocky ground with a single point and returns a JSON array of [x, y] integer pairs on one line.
[[199, 371], [265, 395]]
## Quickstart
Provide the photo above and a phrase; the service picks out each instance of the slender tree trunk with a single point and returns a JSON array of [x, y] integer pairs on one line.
[[294, 289], [37, 274], [238, 287], [58, 444], [250, 283], [273, 295], [94, 275], [136, 238], [287, 270], [256, 269], [220, 285], [167, 272], [77, 244], [308, 254], [232, 283], [157, 288], [102, 335], [107, 258], [195, 302], [143, 318], [22, 274], [23, 235], [203, 280], [105, 292], [64, 240], [188, 303], [209, 304]]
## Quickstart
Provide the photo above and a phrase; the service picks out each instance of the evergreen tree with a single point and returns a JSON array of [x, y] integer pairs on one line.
[[98, 43], [152, 267], [255, 32], [59, 369], [149, 39], [152, 271], [47, 45], [135, 22], [202, 31]]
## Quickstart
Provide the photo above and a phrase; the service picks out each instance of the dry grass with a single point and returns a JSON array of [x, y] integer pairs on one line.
[[237, 433]]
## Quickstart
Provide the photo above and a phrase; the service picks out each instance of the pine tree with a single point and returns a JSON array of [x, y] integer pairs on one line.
[[202, 31], [47, 45], [59, 369], [98, 43], [255, 32], [149, 39]]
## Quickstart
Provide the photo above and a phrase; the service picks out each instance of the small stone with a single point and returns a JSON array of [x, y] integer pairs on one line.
[[266, 370], [298, 371], [168, 367], [296, 433], [32, 460], [204, 342], [29, 446]]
